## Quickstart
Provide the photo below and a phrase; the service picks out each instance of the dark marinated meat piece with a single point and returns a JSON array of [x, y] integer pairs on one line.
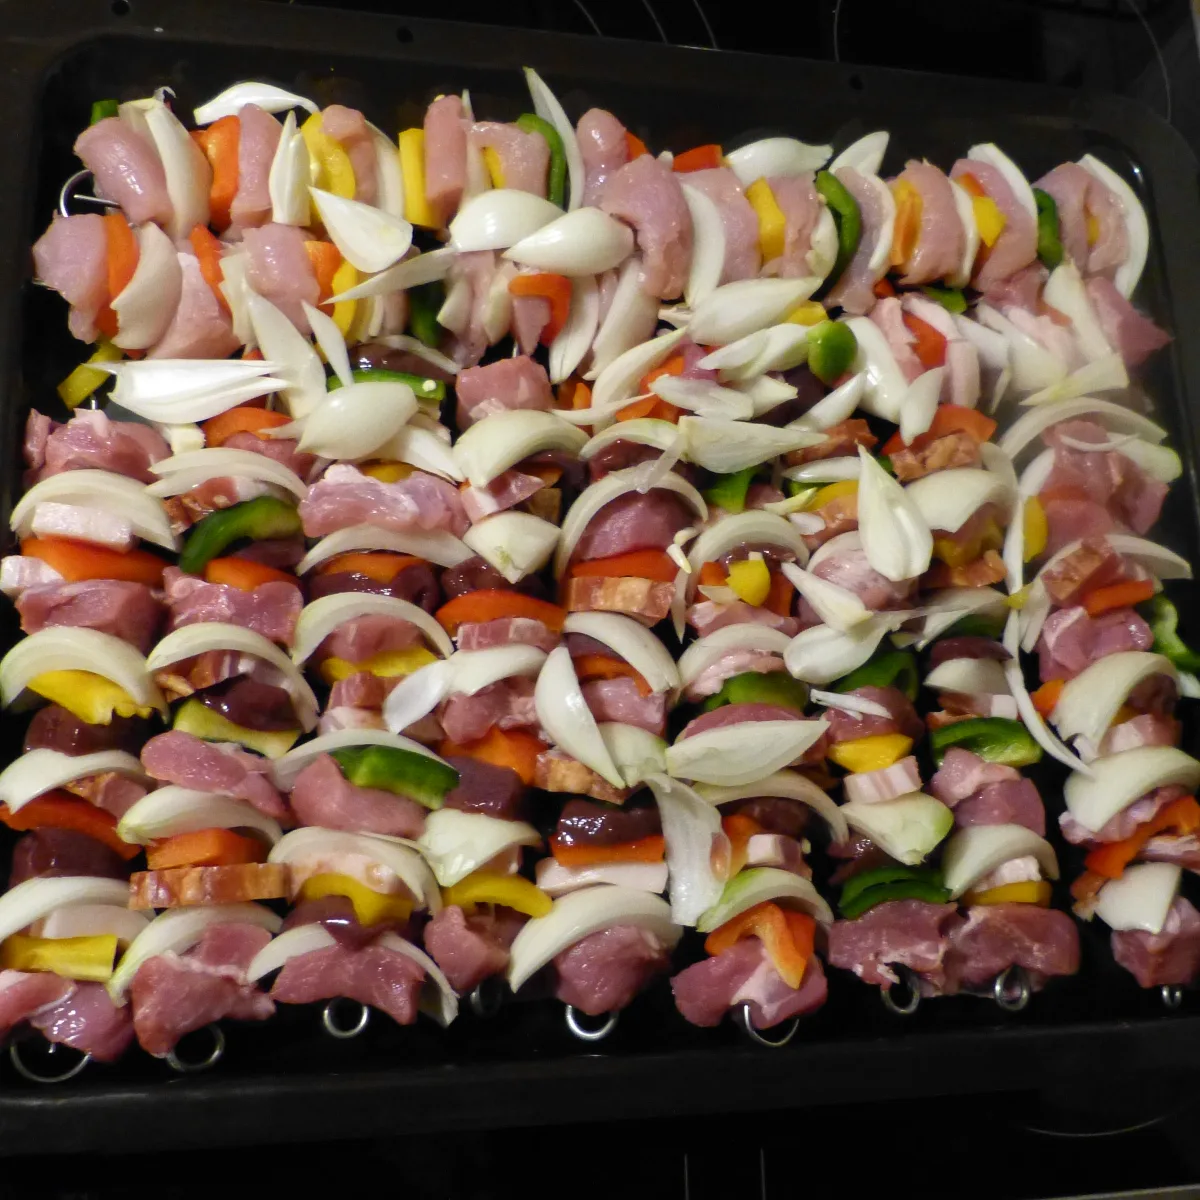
[[56, 728], [474, 575], [43, 853], [591, 823], [482, 787], [251, 704]]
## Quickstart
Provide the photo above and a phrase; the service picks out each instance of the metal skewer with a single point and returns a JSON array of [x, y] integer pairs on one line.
[[907, 983], [1171, 995], [188, 1067], [51, 1048], [69, 193], [584, 1034], [742, 1018], [486, 999], [334, 1028]]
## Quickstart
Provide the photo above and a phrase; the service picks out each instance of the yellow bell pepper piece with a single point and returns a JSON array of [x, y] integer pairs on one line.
[[772, 224], [1036, 528], [1093, 229], [1031, 892], [417, 208], [85, 379], [495, 168], [344, 278], [388, 664], [957, 554], [387, 471], [90, 959], [1019, 599], [489, 887], [811, 312], [196, 718], [870, 753], [832, 491], [92, 698], [988, 217], [751, 580], [370, 907], [331, 164]]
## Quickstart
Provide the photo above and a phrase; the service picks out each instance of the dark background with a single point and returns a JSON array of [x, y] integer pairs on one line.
[[1108, 1130]]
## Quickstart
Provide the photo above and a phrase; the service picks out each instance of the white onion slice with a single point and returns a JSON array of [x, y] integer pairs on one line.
[[565, 716], [895, 534], [115, 494], [920, 403], [1033, 366], [637, 753], [37, 898], [1089, 703], [353, 423], [332, 343], [188, 174], [176, 931], [556, 880], [546, 105], [864, 155], [491, 446], [630, 640], [743, 752], [296, 361], [367, 237], [884, 385], [585, 241], [580, 914], [300, 939], [1137, 227], [946, 500], [823, 470], [437, 998], [725, 446], [288, 178], [757, 885], [705, 651], [304, 849], [1120, 779], [173, 810], [148, 301], [691, 830], [456, 843], [736, 309], [616, 383], [993, 156], [235, 287], [907, 827], [516, 543], [947, 606], [65, 648], [233, 99], [978, 850], [423, 448], [182, 472], [1105, 374], [836, 406], [969, 676], [704, 398], [39, 771], [821, 654], [708, 253], [848, 703], [570, 347], [965, 208], [753, 527], [630, 320], [435, 546], [1113, 416], [285, 769], [645, 431], [430, 267], [838, 607], [776, 156], [91, 920], [1065, 292], [604, 491], [191, 640], [1141, 898], [322, 616], [498, 219], [790, 785], [1160, 462]]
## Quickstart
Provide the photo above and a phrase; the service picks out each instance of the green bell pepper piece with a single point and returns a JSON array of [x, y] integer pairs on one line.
[[1164, 624], [869, 888], [102, 109], [994, 739], [401, 772], [951, 299], [257, 519], [795, 488], [429, 391], [976, 625], [729, 491], [775, 687], [556, 176], [888, 668], [845, 215], [424, 304], [1049, 243], [831, 350]]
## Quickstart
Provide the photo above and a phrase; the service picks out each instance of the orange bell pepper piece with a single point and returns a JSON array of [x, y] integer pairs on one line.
[[739, 830], [779, 598], [948, 418], [1111, 858], [1046, 697], [220, 145], [1117, 595], [61, 810], [645, 850], [554, 288], [634, 145], [906, 231], [490, 604], [930, 346], [699, 158], [243, 419], [121, 259], [245, 574], [787, 936], [604, 666], [325, 258], [637, 564], [712, 575], [205, 848], [208, 254], [380, 565], [515, 749], [574, 394], [76, 561]]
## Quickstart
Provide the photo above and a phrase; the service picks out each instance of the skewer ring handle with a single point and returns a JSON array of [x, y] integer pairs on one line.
[[907, 984], [187, 1067], [741, 1016], [1012, 990], [14, 1053], [1172, 995], [486, 998], [335, 1028], [582, 1032]]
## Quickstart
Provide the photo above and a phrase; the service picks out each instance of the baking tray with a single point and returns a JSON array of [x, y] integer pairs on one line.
[[283, 1080]]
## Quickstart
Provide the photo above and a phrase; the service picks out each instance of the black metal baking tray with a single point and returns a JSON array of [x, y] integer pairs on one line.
[[282, 1080]]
